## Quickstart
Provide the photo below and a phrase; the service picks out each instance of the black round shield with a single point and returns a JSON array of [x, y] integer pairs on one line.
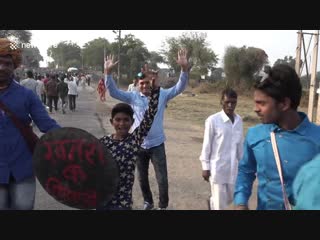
[[75, 168]]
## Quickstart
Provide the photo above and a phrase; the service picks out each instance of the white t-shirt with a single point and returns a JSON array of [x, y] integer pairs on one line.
[[72, 88]]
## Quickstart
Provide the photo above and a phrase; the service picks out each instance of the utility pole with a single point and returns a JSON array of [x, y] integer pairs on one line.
[[298, 53], [305, 58], [313, 77], [119, 50], [82, 60]]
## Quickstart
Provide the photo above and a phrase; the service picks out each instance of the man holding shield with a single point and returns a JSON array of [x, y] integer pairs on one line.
[[17, 181]]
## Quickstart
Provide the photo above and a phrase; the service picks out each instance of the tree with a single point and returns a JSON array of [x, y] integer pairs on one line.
[[64, 52], [201, 57], [31, 57], [23, 36], [216, 75], [154, 59], [93, 51], [133, 54], [288, 60], [73, 63], [241, 64], [51, 65]]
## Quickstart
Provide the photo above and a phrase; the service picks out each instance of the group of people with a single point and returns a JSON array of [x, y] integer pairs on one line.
[[229, 161], [52, 88], [278, 152]]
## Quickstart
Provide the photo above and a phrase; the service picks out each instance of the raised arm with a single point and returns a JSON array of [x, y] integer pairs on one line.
[[114, 92], [184, 76]]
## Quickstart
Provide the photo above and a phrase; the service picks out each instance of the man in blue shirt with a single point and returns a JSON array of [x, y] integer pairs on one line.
[[17, 181], [153, 146], [277, 97]]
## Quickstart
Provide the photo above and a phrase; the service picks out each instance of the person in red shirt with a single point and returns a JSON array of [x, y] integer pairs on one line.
[[102, 90]]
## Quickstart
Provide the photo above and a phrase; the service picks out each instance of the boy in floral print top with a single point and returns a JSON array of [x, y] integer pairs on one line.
[[124, 146]]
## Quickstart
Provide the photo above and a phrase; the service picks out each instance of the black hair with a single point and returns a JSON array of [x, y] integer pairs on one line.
[[122, 108], [280, 82], [29, 74], [229, 92]]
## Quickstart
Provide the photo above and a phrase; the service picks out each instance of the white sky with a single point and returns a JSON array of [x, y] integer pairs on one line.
[[276, 43]]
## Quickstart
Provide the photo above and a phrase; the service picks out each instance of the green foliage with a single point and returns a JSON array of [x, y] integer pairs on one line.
[[133, 55], [216, 75], [241, 64], [201, 57], [93, 53], [154, 59], [51, 65], [64, 52], [31, 57], [73, 63], [288, 60]]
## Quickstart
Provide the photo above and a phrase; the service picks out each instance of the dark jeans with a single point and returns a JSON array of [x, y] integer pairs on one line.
[[18, 195], [72, 102], [55, 101], [63, 103], [157, 155]]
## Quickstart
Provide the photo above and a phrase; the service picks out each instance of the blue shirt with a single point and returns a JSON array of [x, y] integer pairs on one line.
[[139, 103], [295, 147], [15, 157], [306, 186]]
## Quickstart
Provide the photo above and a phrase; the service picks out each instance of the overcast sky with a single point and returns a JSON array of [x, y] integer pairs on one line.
[[276, 43]]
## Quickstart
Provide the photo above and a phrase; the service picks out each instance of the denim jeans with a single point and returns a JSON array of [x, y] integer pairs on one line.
[[55, 102], [18, 195], [64, 103], [72, 102], [157, 155]]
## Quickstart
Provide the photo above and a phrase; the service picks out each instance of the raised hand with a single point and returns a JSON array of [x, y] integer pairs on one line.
[[183, 60], [109, 64], [145, 68]]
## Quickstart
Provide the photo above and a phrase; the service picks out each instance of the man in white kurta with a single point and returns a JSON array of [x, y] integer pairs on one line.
[[222, 149]]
